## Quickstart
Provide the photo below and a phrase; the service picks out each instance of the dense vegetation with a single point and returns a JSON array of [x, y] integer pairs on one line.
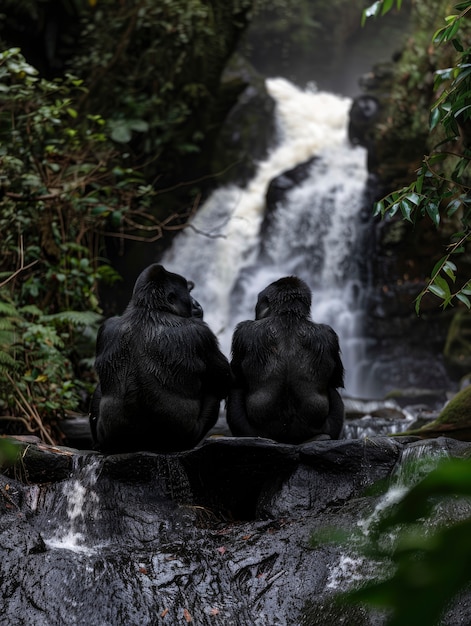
[[441, 188], [126, 92], [426, 563], [63, 183]]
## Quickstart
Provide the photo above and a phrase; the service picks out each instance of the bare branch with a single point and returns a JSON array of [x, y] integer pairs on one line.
[[22, 267]]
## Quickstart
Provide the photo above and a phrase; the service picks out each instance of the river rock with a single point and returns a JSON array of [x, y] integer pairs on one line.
[[216, 535]]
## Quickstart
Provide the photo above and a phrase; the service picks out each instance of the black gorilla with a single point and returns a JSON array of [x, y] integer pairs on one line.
[[196, 308], [286, 370], [162, 375]]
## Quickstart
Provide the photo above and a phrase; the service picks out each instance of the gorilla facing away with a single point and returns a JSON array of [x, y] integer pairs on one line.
[[286, 370], [161, 373]]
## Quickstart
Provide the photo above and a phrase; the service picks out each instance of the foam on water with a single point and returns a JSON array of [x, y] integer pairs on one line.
[[82, 508]]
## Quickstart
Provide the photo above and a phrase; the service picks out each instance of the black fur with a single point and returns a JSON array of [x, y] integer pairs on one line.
[[162, 375], [286, 370]]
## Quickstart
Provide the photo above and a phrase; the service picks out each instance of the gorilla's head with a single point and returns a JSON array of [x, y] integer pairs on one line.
[[286, 295], [159, 290]]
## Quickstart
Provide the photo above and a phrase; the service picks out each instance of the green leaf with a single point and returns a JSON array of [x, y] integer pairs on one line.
[[453, 206], [139, 125], [121, 133], [420, 179], [450, 268], [414, 198], [438, 266], [440, 288], [116, 218], [406, 210], [435, 118], [437, 291], [378, 208], [418, 301], [432, 209], [387, 5], [101, 210], [462, 110], [371, 11], [464, 299]]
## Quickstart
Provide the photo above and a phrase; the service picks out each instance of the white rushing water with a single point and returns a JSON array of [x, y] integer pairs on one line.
[[352, 567], [311, 234], [82, 508]]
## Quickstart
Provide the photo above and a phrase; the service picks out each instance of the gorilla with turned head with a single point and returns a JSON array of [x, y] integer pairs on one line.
[[286, 370], [161, 373]]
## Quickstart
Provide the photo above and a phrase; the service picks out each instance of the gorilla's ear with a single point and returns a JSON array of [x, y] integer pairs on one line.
[[191, 285], [171, 297], [262, 309]]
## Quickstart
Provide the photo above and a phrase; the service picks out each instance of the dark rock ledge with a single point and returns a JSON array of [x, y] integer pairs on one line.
[[216, 535]]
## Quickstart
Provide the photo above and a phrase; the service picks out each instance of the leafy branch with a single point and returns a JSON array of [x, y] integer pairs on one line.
[[441, 191]]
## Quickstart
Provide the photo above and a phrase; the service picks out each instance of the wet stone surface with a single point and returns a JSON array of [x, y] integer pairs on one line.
[[216, 535]]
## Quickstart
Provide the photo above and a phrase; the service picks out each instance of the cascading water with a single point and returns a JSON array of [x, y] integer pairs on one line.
[[312, 232], [77, 503]]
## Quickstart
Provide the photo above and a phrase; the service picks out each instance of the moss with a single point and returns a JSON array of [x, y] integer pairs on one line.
[[457, 351], [453, 421], [458, 410]]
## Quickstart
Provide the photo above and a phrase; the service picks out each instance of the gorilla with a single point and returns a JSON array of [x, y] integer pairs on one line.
[[196, 308], [161, 373], [286, 370]]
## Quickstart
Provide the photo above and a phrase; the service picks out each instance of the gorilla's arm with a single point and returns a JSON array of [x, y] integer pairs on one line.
[[337, 378], [105, 342], [94, 412], [216, 380], [218, 371], [333, 425], [237, 414], [107, 335], [237, 418], [335, 419]]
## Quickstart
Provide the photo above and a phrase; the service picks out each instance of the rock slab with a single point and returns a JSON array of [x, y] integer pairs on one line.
[[219, 535]]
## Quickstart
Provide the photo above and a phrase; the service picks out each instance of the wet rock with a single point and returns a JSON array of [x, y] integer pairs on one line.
[[216, 535]]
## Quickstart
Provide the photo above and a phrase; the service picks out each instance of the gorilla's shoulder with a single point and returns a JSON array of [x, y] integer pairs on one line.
[[241, 326], [327, 333], [195, 329]]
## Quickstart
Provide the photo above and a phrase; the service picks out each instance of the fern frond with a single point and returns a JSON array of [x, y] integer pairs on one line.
[[30, 309], [7, 362], [6, 325], [76, 318], [7, 309]]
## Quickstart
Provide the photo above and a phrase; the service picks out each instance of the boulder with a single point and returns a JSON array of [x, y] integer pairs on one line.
[[216, 535]]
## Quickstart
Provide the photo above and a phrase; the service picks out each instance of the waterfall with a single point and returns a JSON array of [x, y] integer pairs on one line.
[[82, 508], [312, 232], [353, 567]]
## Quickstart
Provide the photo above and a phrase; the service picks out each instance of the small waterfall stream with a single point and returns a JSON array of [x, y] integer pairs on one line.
[[312, 233], [75, 509], [417, 461]]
